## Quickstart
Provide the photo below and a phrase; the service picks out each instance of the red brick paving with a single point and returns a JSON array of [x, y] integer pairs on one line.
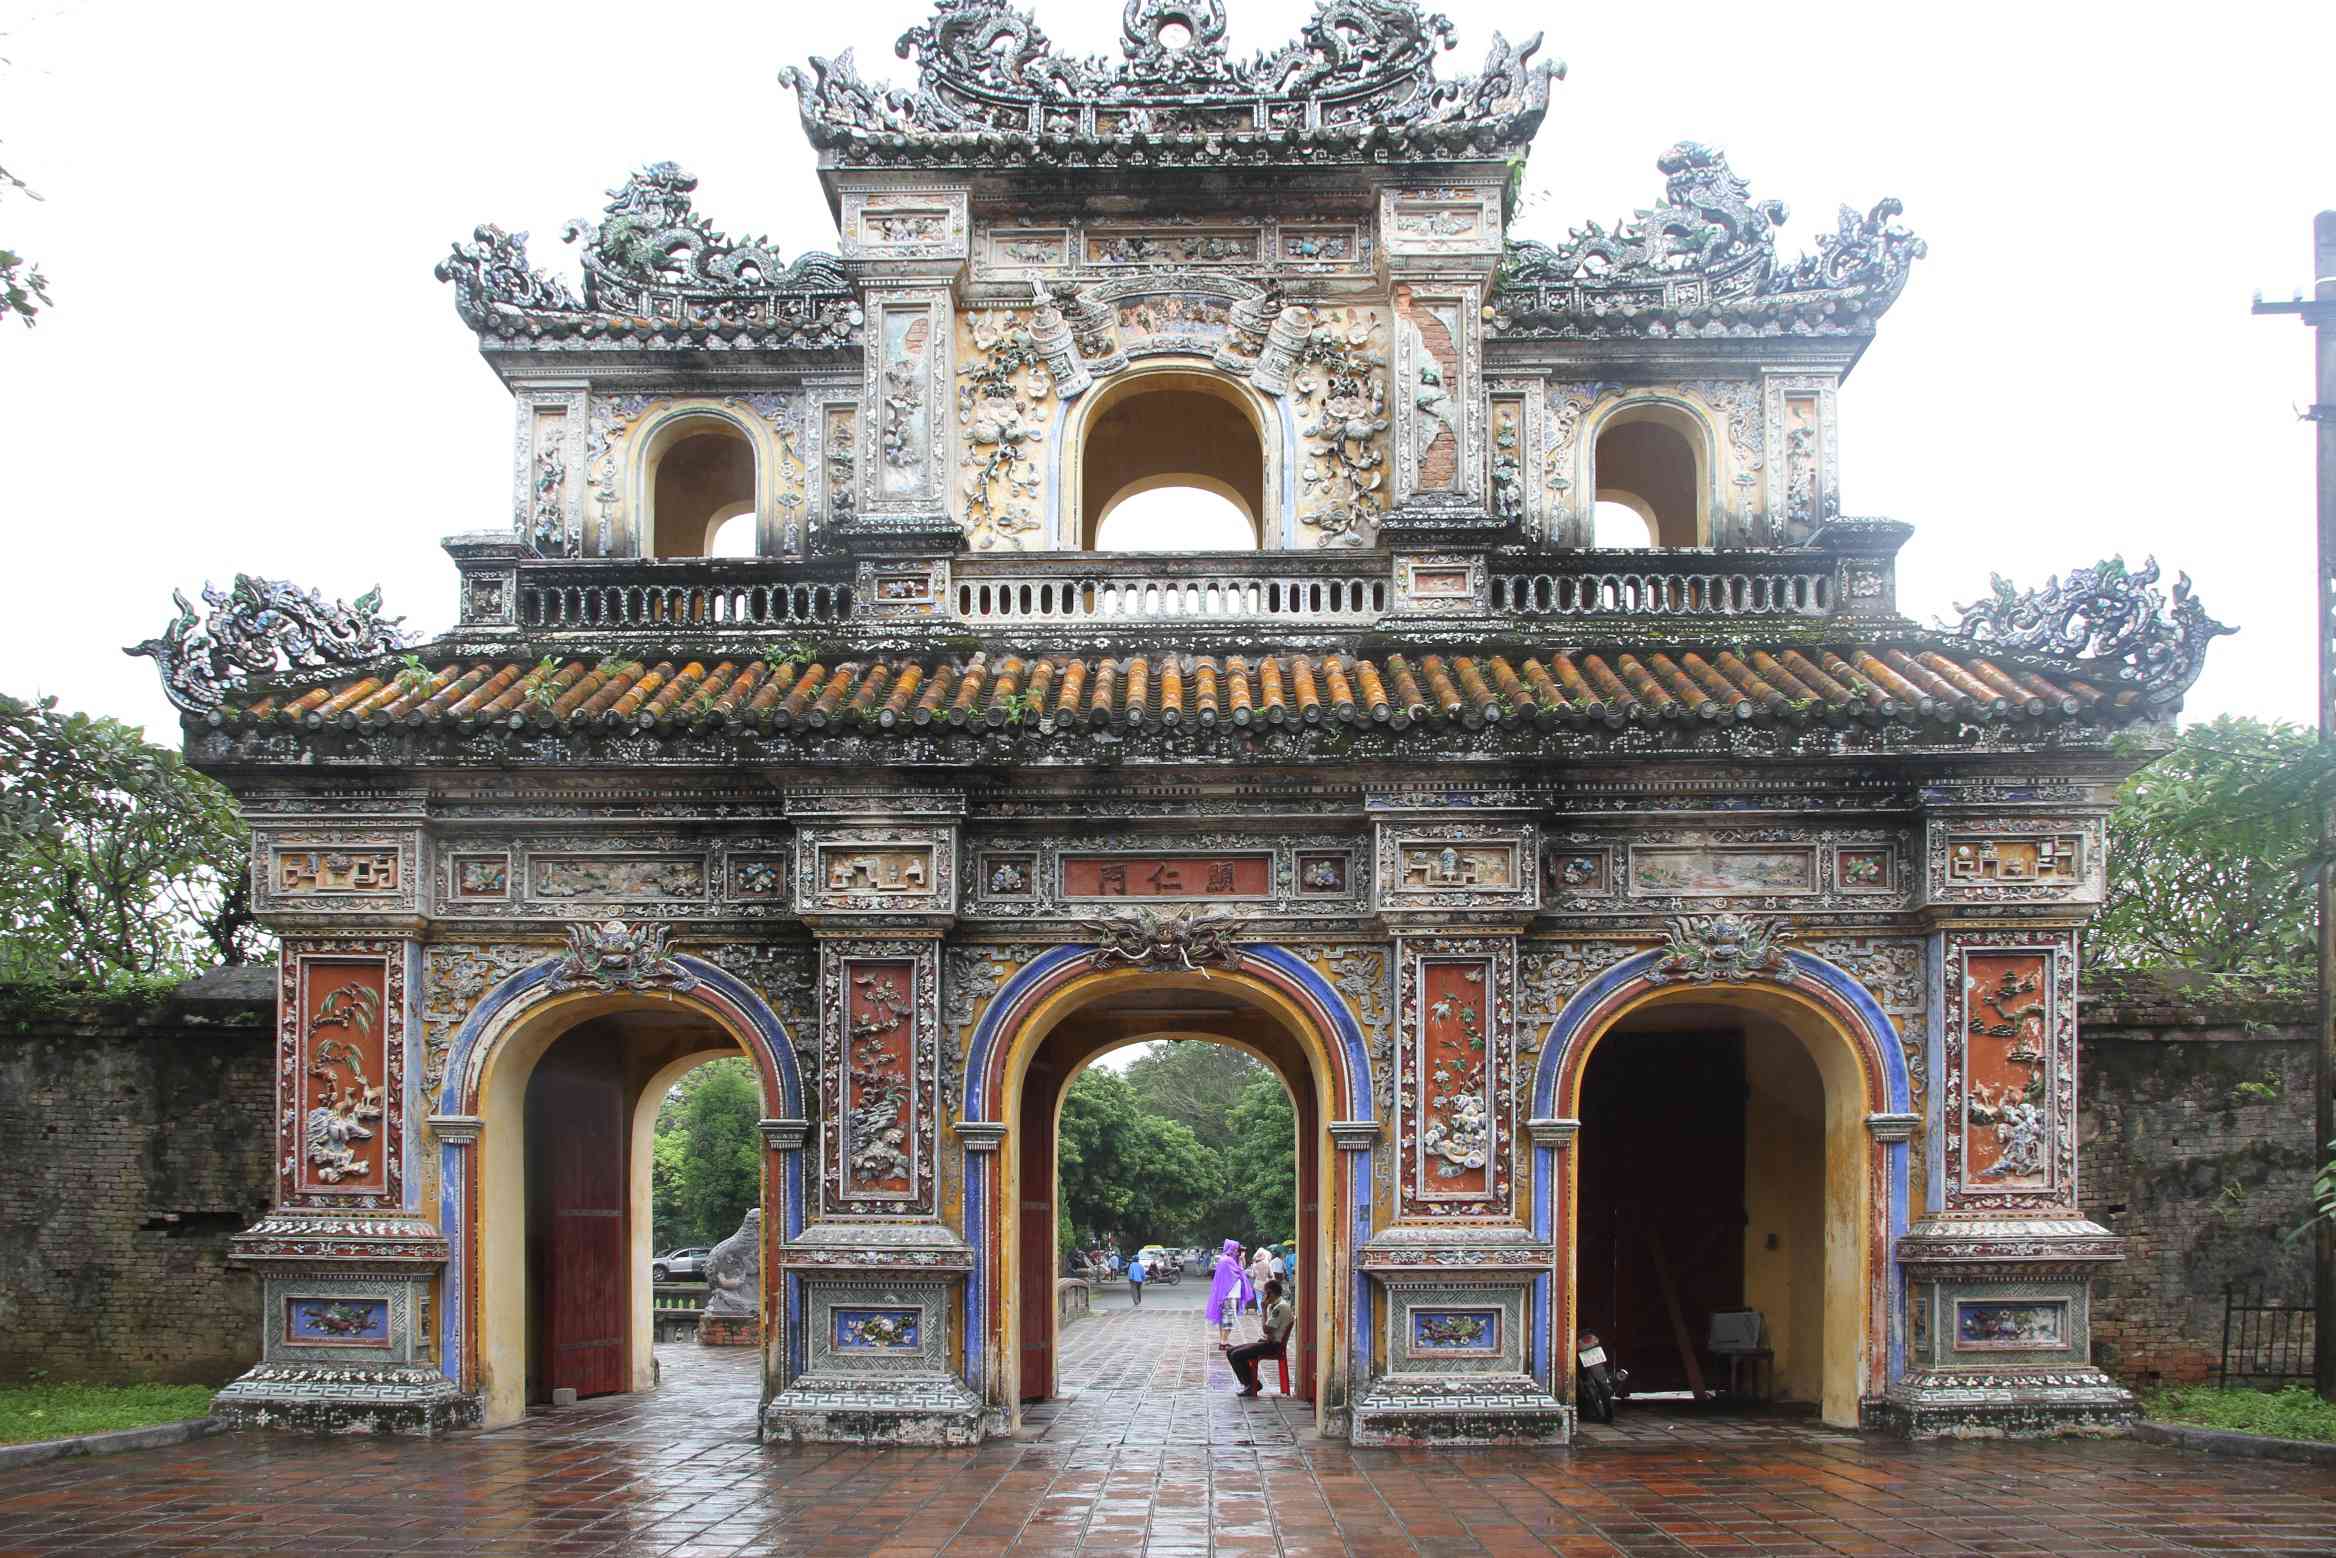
[[1150, 1454]]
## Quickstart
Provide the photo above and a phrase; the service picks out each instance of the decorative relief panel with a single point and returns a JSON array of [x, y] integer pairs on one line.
[[1803, 466], [1064, 875], [909, 375], [617, 878], [1005, 397], [1677, 870], [2019, 859], [2011, 1072], [1435, 1328], [340, 1083], [839, 465], [1117, 875], [1454, 1116], [335, 870], [2011, 1325], [1514, 441], [568, 876], [877, 870], [1895, 971], [479, 876], [1457, 866], [903, 225], [1299, 241], [1548, 975], [865, 1330], [325, 1320], [1439, 427], [1444, 222], [455, 975], [879, 1076], [1338, 391]]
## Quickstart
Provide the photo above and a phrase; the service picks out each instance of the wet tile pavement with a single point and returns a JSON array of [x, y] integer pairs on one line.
[[1148, 1453]]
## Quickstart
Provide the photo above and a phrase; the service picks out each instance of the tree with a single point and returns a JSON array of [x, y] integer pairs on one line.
[[709, 1150], [24, 291], [1129, 1172], [1264, 1166], [1197, 1083], [2212, 854], [118, 862]]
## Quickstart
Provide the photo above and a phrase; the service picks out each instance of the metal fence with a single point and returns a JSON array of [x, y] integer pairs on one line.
[[2264, 1346]]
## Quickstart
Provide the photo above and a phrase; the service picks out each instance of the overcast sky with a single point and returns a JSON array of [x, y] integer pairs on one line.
[[250, 368]]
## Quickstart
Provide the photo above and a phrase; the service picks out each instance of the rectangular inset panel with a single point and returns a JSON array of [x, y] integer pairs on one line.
[[1318, 245], [336, 872], [2007, 1115], [1009, 876], [1012, 248], [1324, 873], [1716, 870], [840, 441], [1430, 339], [1173, 321], [343, 1077], [904, 442], [2050, 860], [617, 878], [1508, 457], [1862, 870], [2011, 1325], [1177, 246], [902, 872], [758, 876], [480, 878], [879, 1148], [878, 1330], [1436, 867], [1453, 1142], [322, 1321], [1471, 1332], [1167, 876]]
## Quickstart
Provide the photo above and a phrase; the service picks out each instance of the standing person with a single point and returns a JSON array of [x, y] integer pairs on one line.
[[1260, 1273], [1229, 1291], [1278, 1319], [1137, 1273]]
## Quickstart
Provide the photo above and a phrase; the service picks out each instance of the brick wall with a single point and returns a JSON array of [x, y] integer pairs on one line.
[[2196, 1125], [133, 1142]]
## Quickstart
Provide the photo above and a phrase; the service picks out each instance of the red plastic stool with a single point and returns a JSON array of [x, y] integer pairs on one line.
[[1282, 1362]]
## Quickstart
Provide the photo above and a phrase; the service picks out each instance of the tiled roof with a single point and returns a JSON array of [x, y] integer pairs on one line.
[[1051, 692]]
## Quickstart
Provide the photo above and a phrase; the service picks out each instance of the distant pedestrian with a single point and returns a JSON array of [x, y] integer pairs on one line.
[[1137, 1275], [1245, 1358], [1230, 1291], [1260, 1273]]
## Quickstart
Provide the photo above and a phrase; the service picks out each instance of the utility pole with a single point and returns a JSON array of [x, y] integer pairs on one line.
[[2319, 312]]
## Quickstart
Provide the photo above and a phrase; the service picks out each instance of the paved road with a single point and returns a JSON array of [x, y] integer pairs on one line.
[[1151, 1453]]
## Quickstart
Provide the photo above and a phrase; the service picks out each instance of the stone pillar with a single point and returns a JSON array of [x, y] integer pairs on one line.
[[1455, 1271], [1998, 1268], [881, 1274], [347, 1263]]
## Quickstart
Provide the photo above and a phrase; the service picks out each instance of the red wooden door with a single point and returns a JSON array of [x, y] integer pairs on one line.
[[577, 1127], [1037, 1260], [1662, 1152]]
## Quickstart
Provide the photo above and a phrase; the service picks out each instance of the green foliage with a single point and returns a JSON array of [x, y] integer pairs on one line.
[[412, 675], [2293, 1413], [43, 1411], [1129, 1172], [1264, 1168], [1197, 1084], [705, 1171], [2213, 849], [24, 291], [118, 863]]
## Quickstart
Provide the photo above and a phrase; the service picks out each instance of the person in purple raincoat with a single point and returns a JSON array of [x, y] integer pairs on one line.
[[1231, 1290]]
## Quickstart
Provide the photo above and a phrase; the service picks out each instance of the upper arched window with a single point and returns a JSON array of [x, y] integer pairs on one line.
[[700, 477], [1649, 461], [1171, 461]]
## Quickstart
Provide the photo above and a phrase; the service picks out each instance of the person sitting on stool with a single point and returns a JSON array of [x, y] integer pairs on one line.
[[1246, 1357]]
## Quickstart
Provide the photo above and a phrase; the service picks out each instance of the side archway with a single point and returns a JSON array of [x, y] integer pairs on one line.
[[485, 1318], [1868, 1124]]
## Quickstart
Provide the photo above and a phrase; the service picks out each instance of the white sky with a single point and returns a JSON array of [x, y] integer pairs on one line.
[[249, 366]]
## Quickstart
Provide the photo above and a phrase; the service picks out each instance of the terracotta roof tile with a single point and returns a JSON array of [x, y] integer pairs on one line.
[[998, 688]]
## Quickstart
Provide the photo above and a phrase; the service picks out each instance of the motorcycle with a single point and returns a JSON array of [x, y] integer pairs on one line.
[[1598, 1382]]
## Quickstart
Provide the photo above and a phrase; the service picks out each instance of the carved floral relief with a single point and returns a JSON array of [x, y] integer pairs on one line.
[[879, 1075], [341, 1076], [1453, 1110], [1338, 388], [2011, 1071], [1005, 397]]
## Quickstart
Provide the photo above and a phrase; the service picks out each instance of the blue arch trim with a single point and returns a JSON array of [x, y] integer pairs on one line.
[[525, 985], [1897, 1090], [992, 1030]]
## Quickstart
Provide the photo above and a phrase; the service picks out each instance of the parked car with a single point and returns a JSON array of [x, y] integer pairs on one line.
[[681, 1265]]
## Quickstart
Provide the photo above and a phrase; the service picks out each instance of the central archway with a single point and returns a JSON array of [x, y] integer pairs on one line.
[[1030, 1044], [1172, 424]]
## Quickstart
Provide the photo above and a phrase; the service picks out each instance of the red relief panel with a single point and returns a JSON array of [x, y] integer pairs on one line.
[[1167, 876], [880, 1077], [1453, 1145], [2008, 1116], [340, 1082]]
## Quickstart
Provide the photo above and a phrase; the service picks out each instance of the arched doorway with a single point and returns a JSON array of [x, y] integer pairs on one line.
[[1173, 425], [1031, 1047], [1735, 1145], [545, 1121]]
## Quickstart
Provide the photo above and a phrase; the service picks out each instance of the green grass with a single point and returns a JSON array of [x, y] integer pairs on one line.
[[2293, 1413], [30, 1412]]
